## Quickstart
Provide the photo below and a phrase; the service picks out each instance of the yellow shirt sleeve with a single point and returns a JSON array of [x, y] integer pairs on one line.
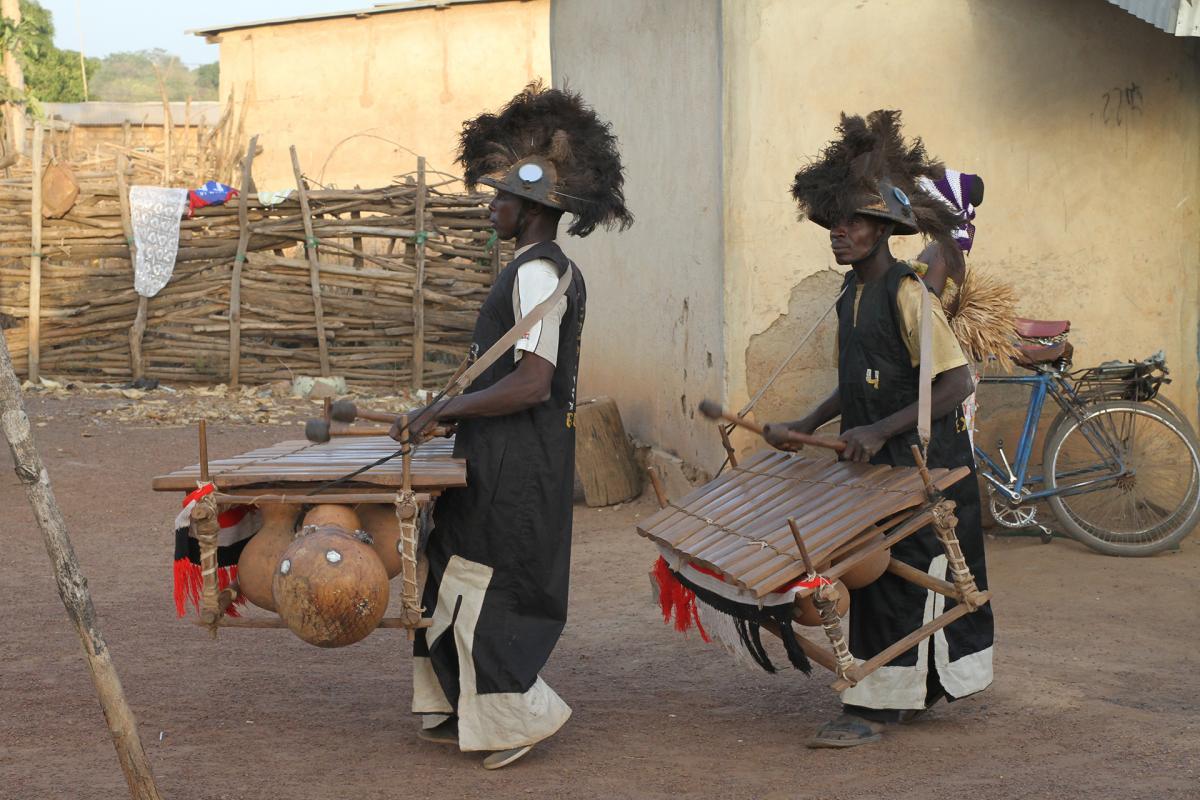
[[947, 354], [920, 267]]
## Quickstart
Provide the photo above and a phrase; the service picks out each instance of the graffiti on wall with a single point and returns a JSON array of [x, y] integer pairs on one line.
[[1121, 103]]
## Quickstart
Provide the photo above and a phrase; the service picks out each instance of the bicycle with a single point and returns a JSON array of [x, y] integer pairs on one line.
[[1120, 465]]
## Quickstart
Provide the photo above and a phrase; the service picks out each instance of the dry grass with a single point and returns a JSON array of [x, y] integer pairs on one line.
[[985, 311]]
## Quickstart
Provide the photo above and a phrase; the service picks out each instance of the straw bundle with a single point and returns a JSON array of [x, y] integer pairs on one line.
[[984, 312]]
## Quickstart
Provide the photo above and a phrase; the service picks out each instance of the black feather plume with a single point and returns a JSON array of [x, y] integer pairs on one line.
[[554, 124], [846, 175]]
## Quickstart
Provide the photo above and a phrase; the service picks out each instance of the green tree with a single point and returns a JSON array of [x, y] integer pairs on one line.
[[208, 78], [51, 74], [134, 77], [55, 76]]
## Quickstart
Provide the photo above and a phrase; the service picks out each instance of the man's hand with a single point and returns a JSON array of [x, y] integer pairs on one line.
[[777, 435], [421, 421], [862, 443]]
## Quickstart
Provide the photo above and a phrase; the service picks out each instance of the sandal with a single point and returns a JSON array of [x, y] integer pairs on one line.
[[445, 732], [910, 715], [845, 731], [505, 757]]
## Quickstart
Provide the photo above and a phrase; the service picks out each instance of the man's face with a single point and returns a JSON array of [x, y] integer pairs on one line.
[[504, 213], [852, 240]]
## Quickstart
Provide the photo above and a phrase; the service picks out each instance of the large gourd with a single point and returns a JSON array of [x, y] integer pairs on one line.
[[330, 587], [806, 613], [380, 521], [333, 514], [260, 556], [869, 570]]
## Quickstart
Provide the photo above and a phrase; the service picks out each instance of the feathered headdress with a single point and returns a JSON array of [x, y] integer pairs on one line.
[[870, 169], [546, 145]]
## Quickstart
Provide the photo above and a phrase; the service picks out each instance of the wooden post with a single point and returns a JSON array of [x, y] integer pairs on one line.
[[314, 266], [603, 457], [14, 110], [730, 453], [162, 88], [138, 329], [235, 280], [187, 124], [126, 133], [808, 564], [72, 586], [659, 492], [202, 428], [137, 367], [357, 243], [418, 344], [406, 456], [35, 258]]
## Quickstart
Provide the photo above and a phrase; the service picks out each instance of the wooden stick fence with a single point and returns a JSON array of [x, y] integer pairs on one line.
[[380, 286]]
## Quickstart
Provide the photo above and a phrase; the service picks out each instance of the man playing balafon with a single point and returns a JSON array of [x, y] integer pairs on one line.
[[499, 553], [864, 189]]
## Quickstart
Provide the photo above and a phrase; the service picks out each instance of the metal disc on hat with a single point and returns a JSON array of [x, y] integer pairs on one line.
[[530, 173]]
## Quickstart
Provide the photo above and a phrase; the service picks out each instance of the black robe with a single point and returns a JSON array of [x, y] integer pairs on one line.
[[500, 551], [876, 379]]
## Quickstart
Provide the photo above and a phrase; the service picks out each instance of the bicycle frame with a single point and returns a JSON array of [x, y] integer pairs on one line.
[[1012, 480]]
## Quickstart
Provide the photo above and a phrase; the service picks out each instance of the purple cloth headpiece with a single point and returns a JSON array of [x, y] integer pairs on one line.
[[955, 190]]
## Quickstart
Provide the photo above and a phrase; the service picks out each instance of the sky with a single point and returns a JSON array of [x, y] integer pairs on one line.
[[113, 26]]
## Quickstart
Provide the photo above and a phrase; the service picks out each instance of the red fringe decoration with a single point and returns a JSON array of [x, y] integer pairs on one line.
[[675, 598], [188, 584]]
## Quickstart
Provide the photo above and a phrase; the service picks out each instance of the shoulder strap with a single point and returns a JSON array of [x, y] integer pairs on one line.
[[925, 373], [464, 378]]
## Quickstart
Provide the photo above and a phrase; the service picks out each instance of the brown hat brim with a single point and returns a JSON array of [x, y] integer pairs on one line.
[[519, 189], [901, 227]]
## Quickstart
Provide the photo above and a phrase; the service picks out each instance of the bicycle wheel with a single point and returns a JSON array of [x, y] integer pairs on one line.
[[1149, 509], [1161, 403]]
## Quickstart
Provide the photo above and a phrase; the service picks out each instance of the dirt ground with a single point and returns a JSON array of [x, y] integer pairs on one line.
[[1096, 692]]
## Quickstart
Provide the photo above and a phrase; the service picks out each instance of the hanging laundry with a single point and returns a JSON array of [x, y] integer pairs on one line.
[[274, 198], [156, 213], [211, 193]]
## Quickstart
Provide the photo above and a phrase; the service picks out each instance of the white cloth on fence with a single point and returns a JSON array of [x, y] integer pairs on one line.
[[274, 198], [156, 213]]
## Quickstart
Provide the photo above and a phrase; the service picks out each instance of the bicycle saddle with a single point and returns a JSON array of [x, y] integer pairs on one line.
[[1041, 328]]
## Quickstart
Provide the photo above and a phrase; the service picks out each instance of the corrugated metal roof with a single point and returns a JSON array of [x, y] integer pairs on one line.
[[105, 113], [380, 8], [1177, 17]]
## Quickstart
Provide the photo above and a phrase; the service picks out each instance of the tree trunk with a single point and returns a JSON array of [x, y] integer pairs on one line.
[[14, 112], [603, 456], [72, 586]]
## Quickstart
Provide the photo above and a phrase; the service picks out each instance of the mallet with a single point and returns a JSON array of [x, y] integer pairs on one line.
[[320, 431], [346, 411], [714, 411]]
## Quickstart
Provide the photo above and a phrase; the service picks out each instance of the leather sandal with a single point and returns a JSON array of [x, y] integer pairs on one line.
[[443, 733], [845, 731]]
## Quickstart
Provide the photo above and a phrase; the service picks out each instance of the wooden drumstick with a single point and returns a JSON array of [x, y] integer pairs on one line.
[[320, 431], [714, 411], [346, 411]]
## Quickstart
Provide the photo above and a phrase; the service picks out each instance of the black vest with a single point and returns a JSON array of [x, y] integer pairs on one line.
[[520, 467], [876, 377]]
